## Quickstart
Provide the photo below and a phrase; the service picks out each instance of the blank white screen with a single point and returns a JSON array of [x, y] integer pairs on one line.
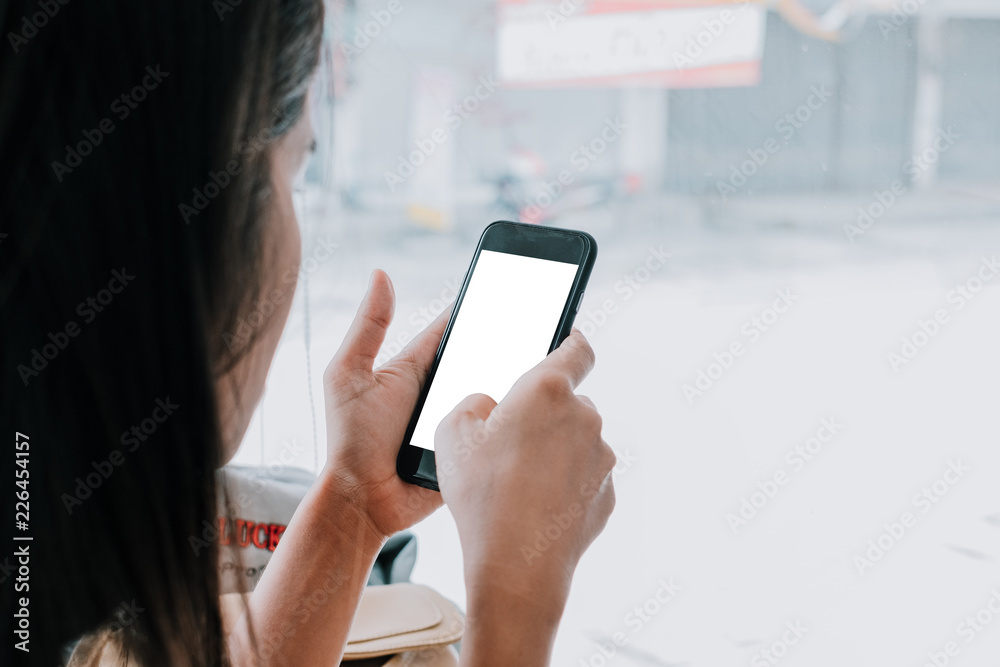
[[504, 327]]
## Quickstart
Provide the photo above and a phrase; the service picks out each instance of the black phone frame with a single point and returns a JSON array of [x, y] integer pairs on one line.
[[417, 465]]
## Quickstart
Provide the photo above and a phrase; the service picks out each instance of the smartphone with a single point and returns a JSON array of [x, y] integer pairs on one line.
[[517, 303]]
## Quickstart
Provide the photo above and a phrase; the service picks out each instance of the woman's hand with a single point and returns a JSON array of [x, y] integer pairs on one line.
[[322, 563], [529, 482], [367, 413]]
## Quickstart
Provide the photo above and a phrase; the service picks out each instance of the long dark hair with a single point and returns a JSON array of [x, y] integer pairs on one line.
[[135, 142]]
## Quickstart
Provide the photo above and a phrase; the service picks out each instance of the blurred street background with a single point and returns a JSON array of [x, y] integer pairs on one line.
[[825, 178]]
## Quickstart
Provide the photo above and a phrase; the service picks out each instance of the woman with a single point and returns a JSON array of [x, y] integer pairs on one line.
[[149, 151]]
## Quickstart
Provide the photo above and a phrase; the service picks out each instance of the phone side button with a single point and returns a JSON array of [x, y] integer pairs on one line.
[[579, 302]]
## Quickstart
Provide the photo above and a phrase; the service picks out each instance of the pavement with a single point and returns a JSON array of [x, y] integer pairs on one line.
[[826, 496]]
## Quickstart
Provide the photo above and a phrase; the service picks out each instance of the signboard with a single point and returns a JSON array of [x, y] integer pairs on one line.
[[661, 43]]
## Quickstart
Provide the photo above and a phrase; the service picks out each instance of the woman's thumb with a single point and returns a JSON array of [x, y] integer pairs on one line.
[[364, 338]]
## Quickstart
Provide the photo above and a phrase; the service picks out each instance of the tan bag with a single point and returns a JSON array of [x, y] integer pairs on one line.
[[396, 624]]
